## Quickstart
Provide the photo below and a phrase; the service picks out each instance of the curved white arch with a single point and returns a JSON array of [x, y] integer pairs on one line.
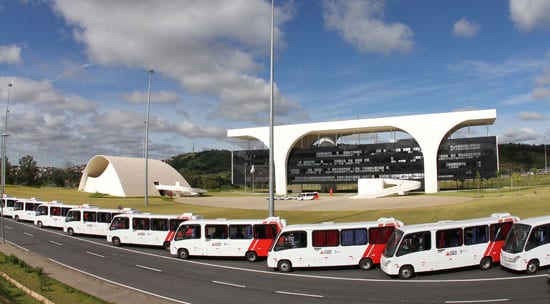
[[428, 130], [125, 176]]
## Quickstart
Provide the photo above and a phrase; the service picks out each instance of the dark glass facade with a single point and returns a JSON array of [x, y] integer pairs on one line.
[[458, 159]]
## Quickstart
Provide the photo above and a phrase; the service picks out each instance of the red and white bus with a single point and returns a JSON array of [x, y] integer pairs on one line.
[[527, 246], [52, 214], [25, 209], [146, 228], [226, 238], [331, 244], [446, 245], [7, 205], [91, 220]]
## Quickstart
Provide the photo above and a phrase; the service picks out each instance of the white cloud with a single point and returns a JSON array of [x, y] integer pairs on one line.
[[518, 135], [465, 29], [211, 47], [361, 24], [530, 14], [531, 116], [161, 97], [541, 93], [10, 54]]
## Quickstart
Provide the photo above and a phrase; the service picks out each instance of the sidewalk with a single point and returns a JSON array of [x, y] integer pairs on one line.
[[101, 289]]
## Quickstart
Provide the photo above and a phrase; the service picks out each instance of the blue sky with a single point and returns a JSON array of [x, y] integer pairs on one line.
[[79, 69]]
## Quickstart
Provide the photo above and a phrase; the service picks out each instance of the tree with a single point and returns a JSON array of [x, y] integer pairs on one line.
[[28, 171]]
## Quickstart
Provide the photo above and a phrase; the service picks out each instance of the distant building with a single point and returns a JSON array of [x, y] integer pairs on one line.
[[125, 176], [332, 165], [299, 156]]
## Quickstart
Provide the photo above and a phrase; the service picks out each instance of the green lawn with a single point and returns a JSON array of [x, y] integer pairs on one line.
[[527, 201]]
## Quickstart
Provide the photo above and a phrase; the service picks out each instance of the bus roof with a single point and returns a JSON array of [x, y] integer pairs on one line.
[[155, 215], [536, 220], [234, 221], [449, 224], [381, 222]]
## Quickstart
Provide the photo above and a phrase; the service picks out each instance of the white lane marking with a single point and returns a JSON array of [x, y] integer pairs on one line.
[[299, 294], [9, 227], [229, 284], [149, 268], [55, 243], [20, 247], [119, 284], [95, 254], [477, 301], [28, 234]]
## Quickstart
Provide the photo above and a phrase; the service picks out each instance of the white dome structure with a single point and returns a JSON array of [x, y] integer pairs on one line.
[[125, 176]]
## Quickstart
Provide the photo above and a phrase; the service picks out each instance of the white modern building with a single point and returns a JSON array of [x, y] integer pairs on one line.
[[428, 130], [125, 176]]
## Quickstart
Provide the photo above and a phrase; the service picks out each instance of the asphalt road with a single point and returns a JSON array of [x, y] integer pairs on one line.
[[202, 280]]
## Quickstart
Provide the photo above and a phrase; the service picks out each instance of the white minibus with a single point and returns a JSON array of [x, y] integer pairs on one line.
[[446, 245], [226, 238], [52, 214], [331, 244], [8, 205], [25, 209], [91, 220], [146, 229], [527, 246]]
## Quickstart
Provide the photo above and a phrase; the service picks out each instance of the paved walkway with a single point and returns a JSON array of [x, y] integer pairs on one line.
[[325, 203]]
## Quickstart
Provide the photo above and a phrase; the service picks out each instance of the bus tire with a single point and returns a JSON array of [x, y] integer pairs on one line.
[[366, 264], [116, 241], [70, 231], [183, 254], [166, 245], [39, 224], [284, 266], [486, 263], [406, 272], [16, 218], [251, 256], [532, 267]]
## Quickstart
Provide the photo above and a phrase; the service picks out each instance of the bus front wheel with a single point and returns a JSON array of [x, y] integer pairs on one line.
[[532, 267], [116, 241], [251, 256], [486, 263], [183, 254], [366, 264], [284, 266], [406, 272], [70, 231], [39, 224]]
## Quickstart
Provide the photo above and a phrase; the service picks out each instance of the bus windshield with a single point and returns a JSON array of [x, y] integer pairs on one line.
[[392, 244], [516, 238]]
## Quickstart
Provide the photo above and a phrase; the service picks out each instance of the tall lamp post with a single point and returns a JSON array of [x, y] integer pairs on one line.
[[147, 140], [3, 183], [271, 110], [545, 159]]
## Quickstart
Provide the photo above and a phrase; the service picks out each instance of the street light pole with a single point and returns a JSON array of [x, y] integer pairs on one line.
[[147, 140], [271, 141], [545, 160], [3, 183]]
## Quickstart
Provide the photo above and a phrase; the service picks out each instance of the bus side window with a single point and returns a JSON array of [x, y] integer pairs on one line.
[[539, 236], [414, 242], [291, 240]]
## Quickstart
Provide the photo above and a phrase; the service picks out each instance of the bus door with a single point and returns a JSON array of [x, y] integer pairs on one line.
[[450, 253], [141, 232], [240, 239], [416, 249], [215, 238], [326, 249], [293, 246], [89, 219]]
